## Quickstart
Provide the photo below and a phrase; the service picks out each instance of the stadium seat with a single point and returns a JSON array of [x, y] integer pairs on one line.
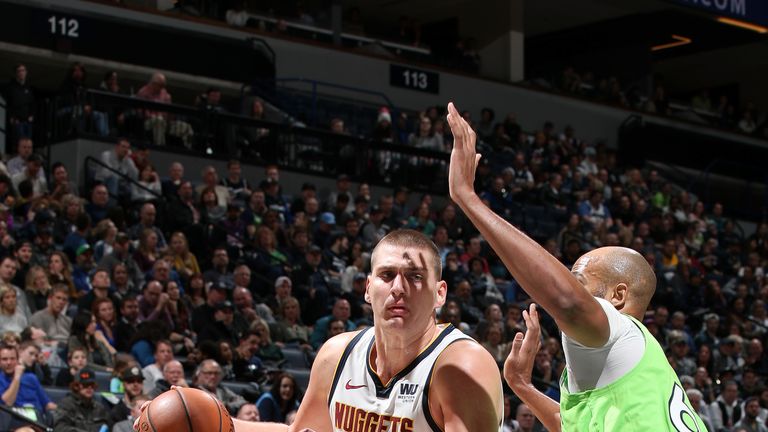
[[302, 377], [295, 358]]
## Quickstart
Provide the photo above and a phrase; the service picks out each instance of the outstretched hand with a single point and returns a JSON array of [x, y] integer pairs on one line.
[[464, 157], [519, 364]]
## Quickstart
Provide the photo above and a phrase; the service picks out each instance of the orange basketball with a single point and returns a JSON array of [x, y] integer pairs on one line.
[[185, 410]]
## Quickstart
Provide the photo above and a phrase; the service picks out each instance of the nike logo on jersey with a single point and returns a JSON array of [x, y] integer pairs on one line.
[[353, 387]]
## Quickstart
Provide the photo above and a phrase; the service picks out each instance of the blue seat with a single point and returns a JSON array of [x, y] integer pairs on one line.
[[56, 393], [301, 376], [295, 358]]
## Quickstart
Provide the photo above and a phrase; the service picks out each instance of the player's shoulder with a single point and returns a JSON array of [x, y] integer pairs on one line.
[[333, 348], [467, 354]]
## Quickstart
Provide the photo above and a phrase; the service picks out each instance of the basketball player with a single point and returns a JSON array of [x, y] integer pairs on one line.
[[617, 376], [406, 373]]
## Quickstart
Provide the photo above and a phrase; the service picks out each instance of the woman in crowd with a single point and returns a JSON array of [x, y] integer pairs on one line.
[[271, 261], [181, 310], [36, 288], [71, 207], [60, 271], [268, 351], [147, 253], [493, 342], [122, 284], [282, 398], [210, 210], [12, 318], [421, 220], [151, 187], [184, 261], [105, 232], [104, 313], [290, 329], [195, 294], [84, 335]]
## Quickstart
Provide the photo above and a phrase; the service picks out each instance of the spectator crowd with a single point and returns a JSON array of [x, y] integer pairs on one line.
[[158, 276]]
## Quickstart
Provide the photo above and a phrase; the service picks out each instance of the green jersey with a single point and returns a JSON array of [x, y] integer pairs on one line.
[[649, 398]]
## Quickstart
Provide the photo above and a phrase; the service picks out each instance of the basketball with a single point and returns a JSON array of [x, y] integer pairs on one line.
[[185, 409]]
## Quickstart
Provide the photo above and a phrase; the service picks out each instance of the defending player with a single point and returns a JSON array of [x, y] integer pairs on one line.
[[617, 377]]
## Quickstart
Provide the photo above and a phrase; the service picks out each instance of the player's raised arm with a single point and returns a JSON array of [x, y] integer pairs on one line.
[[540, 274], [518, 369]]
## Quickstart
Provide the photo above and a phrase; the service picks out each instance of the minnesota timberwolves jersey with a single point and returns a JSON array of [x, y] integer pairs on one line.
[[359, 401]]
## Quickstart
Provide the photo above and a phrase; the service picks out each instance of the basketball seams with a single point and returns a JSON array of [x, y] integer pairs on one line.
[[219, 406], [149, 419], [186, 410]]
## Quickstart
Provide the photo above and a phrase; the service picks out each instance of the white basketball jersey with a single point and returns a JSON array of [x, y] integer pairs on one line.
[[359, 401]]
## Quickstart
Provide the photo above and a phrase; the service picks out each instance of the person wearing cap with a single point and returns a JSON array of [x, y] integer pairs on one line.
[[324, 226], [77, 411], [133, 385], [375, 228], [121, 254], [311, 284], [82, 267], [32, 172], [203, 315], [678, 356], [308, 190], [361, 309], [220, 329], [273, 197]]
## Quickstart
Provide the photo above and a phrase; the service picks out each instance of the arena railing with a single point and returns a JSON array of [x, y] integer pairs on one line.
[[214, 134]]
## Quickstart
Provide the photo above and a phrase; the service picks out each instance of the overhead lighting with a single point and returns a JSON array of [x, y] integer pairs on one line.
[[742, 24], [678, 41]]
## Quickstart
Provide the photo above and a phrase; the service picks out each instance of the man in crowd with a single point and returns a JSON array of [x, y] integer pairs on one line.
[[53, 320], [120, 165]]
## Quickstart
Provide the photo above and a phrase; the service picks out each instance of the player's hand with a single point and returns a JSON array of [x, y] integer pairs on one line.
[[464, 158], [519, 364], [136, 422]]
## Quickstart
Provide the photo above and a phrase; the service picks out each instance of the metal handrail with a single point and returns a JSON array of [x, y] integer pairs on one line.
[[91, 159]]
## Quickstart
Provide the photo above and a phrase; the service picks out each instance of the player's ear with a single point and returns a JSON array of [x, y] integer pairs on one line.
[[441, 293], [619, 297], [367, 296]]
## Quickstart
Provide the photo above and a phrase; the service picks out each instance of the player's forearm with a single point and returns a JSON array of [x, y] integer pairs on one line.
[[244, 426], [540, 274], [544, 408]]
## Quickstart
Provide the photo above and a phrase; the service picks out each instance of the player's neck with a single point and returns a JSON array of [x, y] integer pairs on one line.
[[394, 351]]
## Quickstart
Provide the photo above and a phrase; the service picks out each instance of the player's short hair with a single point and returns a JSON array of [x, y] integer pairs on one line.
[[415, 239]]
